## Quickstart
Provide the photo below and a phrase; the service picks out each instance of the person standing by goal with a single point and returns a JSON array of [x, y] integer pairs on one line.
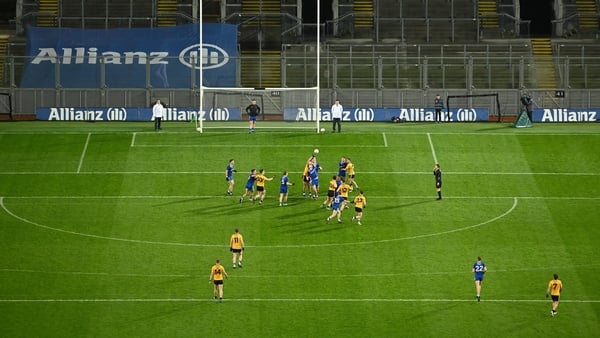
[[158, 112], [252, 110], [336, 115], [438, 105]]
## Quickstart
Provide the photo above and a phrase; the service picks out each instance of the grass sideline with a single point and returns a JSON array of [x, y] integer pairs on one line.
[[110, 230]]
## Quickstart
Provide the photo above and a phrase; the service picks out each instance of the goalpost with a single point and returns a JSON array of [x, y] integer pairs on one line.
[[291, 104], [482, 100], [291, 98]]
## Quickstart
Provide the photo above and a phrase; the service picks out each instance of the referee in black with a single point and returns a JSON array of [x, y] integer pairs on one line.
[[437, 172]]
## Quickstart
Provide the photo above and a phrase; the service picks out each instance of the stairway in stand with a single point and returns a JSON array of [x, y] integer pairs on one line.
[[545, 72], [47, 13], [363, 10], [267, 12], [3, 44], [488, 14], [587, 11], [166, 13], [261, 48], [261, 69]]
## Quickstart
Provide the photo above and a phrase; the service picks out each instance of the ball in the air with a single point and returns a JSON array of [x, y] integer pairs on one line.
[[316, 151], [322, 130]]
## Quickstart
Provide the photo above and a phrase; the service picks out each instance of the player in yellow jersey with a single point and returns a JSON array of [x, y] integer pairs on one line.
[[236, 246], [306, 177], [217, 272], [360, 202], [351, 174], [260, 185], [343, 191], [333, 185], [554, 288]]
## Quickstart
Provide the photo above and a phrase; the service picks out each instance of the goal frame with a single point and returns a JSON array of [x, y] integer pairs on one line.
[[252, 92], [495, 95]]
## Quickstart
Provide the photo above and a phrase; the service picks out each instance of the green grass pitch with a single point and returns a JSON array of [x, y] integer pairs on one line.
[[110, 230]]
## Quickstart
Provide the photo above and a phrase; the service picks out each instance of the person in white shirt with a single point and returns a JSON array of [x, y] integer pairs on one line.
[[158, 112], [336, 115]]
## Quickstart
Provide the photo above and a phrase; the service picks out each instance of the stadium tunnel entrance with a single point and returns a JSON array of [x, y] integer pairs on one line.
[[540, 13]]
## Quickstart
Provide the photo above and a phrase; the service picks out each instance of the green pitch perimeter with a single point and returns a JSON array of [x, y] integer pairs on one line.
[[110, 230]]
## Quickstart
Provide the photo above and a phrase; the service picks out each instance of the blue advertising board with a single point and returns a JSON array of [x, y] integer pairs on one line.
[[386, 114], [135, 114], [566, 115], [235, 114], [169, 54]]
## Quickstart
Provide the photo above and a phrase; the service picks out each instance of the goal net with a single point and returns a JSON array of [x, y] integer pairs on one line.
[[489, 101], [6, 107], [292, 108]]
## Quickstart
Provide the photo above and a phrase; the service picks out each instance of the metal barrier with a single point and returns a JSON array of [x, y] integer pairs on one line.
[[26, 101]]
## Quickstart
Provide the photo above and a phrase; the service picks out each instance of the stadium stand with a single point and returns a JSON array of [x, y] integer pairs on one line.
[[368, 46]]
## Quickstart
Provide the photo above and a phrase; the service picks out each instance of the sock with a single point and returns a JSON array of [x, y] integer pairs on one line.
[[439, 194]]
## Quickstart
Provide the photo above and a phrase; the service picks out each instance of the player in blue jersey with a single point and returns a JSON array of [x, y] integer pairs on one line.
[[249, 191], [283, 189], [336, 209], [342, 168], [479, 269], [229, 177], [313, 172]]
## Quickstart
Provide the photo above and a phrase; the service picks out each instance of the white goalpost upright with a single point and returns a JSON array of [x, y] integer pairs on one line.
[[300, 98]]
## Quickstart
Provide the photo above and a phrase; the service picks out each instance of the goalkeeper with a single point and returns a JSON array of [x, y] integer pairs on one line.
[[252, 110]]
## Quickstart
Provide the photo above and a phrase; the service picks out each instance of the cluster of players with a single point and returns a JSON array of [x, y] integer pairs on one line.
[[338, 190], [337, 201]]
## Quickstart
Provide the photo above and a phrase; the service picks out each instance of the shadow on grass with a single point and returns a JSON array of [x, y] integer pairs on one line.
[[405, 205], [498, 126]]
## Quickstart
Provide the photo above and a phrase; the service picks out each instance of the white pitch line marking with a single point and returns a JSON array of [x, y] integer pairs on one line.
[[387, 173], [385, 140], [87, 141], [435, 160]]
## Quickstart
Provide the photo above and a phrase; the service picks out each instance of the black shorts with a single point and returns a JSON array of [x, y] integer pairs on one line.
[[236, 250], [351, 176], [330, 193], [218, 282], [305, 178], [555, 298], [439, 184], [259, 188], [357, 209]]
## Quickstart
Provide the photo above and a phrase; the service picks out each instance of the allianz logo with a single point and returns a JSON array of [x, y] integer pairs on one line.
[[211, 56]]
